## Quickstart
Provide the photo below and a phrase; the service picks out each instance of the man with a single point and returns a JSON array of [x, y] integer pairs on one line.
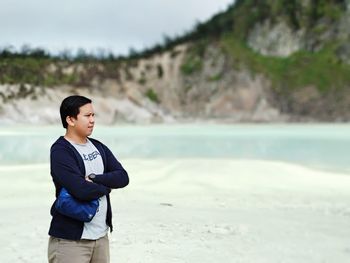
[[87, 169]]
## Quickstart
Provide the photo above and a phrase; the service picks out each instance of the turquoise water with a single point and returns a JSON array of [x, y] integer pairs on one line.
[[318, 146]]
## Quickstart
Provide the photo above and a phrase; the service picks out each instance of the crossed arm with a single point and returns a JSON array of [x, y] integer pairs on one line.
[[65, 173], [115, 175]]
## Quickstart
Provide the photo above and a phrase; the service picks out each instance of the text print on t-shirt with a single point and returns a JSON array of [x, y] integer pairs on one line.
[[91, 156]]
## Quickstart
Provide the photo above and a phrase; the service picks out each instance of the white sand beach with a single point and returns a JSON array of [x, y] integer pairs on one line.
[[195, 210]]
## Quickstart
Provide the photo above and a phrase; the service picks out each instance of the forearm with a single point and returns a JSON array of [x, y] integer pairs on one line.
[[115, 179], [114, 176]]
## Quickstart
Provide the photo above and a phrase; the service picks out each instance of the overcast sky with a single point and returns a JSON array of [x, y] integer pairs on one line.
[[111, 24]]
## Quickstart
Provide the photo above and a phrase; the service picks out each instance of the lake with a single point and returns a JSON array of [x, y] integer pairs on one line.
[[319, 146]]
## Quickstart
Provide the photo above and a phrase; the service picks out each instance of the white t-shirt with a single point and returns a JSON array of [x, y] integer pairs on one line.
[[93, 162]]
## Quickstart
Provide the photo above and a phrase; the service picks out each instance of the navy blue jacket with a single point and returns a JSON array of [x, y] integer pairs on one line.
[[68, 170]]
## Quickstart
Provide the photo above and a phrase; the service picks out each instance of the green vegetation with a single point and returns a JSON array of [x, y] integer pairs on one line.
[[321, 69], [193, 61], [35, 67], [152, 95], [215, 77], [26, 70], [191, 65], [242, 16]]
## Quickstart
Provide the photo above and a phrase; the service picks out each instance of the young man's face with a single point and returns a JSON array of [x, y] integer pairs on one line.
[[85, 121]]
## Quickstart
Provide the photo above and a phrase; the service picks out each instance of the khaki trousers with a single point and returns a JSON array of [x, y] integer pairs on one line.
[[80, 251]]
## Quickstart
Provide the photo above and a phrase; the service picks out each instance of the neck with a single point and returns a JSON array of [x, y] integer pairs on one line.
[[75, 137]]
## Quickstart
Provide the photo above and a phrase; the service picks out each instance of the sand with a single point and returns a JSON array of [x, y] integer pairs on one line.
[[195, 210]]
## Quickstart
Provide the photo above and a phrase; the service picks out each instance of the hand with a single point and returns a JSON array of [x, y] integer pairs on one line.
[[88, 179]]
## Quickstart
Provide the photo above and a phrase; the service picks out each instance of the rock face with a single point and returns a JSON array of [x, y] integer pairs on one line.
[[221, 92], [42, 107], [275, 39], [217, 92]]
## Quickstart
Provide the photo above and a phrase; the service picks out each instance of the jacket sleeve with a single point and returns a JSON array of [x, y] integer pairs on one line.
[[66, 173], [115, 175]]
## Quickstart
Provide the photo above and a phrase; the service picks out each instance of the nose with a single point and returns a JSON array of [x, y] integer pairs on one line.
[[92, 119]]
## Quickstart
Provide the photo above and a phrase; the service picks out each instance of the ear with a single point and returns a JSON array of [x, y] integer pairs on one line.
[[70, 121]]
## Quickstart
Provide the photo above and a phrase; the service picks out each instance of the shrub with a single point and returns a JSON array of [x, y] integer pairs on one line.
[[150, 93]]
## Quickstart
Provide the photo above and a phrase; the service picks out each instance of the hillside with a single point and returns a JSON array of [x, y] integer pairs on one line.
[[261, 61]]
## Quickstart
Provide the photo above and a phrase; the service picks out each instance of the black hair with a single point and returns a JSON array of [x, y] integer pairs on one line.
[[70, 107]]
